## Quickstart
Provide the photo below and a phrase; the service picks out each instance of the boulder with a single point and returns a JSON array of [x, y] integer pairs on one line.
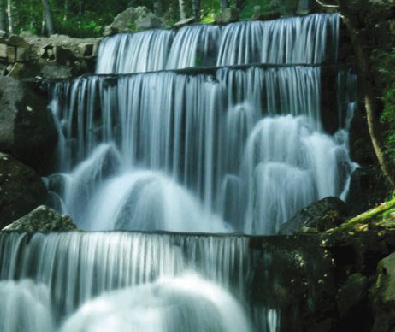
[[383, 296], [21, 189], [352, 295], [149, 21], [27, 130], [227, 15], [125, 21], [319, 216], [42, 219]]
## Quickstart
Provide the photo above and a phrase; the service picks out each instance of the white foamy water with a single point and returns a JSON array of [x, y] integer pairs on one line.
[[186, 303]]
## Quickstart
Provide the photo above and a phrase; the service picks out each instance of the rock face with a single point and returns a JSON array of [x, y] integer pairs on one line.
[[149, 21], [295, 275], [383, 296], [21, 189], [319, 216], [42, 219], [26, 56], [132, 18], [352, 296], [27, 130]]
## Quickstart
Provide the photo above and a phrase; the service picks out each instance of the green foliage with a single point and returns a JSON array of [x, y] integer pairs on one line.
[[248, 8], [87, 18]]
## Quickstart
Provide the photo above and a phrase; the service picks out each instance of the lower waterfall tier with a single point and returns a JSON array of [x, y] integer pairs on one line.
[[113, 279]]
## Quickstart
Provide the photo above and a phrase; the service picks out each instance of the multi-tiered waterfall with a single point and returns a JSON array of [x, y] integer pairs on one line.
[[204, 129]]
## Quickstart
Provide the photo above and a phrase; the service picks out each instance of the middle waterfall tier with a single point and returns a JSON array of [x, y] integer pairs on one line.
[[235, 150]]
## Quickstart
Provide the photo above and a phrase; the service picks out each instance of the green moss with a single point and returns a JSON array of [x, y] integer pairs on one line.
[[379, 217]]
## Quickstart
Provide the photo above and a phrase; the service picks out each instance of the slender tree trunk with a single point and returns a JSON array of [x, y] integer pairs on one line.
[[196, 9], [183, 10], [158, 8], [48, 17], [224, 4], [368, 98], [2, 16], [238, 4], [66, 10], [31, 25], [11, 16]]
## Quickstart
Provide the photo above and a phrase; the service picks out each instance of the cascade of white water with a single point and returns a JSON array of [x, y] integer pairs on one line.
[[228, 149], [25, 306], [312, 39], [80, 266], [186, 303], [206, 128]]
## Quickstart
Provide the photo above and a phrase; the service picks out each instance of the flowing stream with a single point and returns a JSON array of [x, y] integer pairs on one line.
[[192, 140]]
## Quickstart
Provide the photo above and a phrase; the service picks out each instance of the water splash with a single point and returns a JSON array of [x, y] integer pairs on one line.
[[186, 303], [25, 306]]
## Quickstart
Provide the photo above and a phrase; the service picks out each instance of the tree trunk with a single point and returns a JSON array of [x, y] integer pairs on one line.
[[183, 10], [11, 16], [237, 4], [196, 9], [48, 17], [2, 16], [224, 4], [158, 8], [66, 10], [368, 96]]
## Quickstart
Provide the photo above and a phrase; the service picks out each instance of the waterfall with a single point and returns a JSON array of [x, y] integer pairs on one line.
[[250, 136], [214, 132], [312, 39]]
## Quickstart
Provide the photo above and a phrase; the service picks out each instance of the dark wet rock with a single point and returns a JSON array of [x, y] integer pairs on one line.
[[42, 219], [27, 130], [319, 216], [352, 294], [21, 189], [295, 275]]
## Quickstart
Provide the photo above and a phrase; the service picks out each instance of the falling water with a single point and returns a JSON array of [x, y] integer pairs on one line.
[[311, 39], [147, 145], [242, 144]]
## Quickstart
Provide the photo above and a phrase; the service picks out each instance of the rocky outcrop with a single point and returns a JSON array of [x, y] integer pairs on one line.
[[319, 216], [27, 56], [383, 295], [27, 130], [21, 189], [139, 18], [42, 219]]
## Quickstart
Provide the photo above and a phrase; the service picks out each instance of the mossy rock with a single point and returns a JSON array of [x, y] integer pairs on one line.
[[42, 219]]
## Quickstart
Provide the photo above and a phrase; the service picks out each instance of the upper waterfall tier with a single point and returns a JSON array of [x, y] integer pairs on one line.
[[311, 39]]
